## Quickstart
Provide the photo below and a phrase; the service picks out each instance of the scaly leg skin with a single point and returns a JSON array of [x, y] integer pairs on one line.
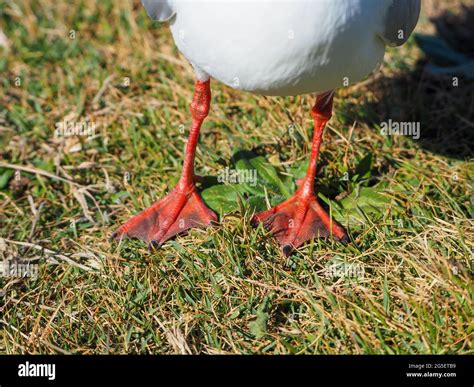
[[301, 218], [183, 208]]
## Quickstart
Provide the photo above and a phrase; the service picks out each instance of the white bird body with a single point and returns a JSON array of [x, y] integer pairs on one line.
[[281, 47]]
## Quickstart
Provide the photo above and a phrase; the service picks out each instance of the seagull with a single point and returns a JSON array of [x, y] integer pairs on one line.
[[273, 48]]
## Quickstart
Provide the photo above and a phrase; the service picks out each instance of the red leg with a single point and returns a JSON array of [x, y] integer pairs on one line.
[[183, 208], [301, 218]]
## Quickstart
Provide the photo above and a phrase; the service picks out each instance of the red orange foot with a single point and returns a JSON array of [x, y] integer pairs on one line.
[[298, 220], [176, 213]]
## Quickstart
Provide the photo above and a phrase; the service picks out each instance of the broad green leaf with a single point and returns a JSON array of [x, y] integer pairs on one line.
[[364, 167], [267, 175], [365, 200], [118, 197], [277, 199], [257, 203], [222, 198], [299, 170], [5, 178], [258, 327]]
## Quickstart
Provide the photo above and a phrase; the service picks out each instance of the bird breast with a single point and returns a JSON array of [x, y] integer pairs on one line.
[[281, 47]]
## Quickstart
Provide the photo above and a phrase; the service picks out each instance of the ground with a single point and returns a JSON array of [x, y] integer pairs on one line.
[[402, 285]]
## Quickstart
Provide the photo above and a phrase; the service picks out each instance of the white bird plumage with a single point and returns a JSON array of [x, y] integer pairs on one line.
[[286, 47]]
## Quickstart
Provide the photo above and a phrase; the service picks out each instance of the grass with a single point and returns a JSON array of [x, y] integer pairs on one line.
[[228, 289]]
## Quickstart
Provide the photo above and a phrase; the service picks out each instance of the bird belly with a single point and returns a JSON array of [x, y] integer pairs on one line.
[[280, 47]]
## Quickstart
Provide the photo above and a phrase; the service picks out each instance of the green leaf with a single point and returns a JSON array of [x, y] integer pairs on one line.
[[262, 178], [364, 200], [258, 327], [222, 198], [5, 178], [277, 199], [118, 197], [267, 175], [257, 203], [363, 169], [45, 165], [299, 170]]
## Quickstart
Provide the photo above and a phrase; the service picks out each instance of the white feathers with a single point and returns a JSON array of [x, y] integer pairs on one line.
[[284, 47]]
